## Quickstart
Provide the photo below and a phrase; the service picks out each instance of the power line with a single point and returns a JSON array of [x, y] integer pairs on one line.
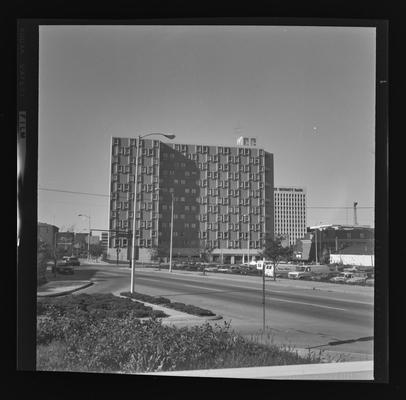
[[73, 192], [106, 195]]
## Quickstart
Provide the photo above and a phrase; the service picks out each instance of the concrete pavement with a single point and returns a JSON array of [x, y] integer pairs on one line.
[[358, 370]]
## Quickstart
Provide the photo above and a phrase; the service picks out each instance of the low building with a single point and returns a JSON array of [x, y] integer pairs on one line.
[[104, 242], [322, 241], [47, 233], [359, 255]]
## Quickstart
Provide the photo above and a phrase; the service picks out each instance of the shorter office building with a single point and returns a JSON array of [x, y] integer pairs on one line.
[[290, 213]]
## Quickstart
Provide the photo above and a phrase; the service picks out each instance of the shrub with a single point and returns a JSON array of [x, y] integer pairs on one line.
[[190, 309], [98, 305], [131, 345]]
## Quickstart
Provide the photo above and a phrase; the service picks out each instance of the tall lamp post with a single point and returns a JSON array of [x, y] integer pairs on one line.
[[135, 201], [249, 238], [171, 244], [88, 241]]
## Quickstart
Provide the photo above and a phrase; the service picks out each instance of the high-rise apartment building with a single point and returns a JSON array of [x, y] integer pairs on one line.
[[222, 195], [290, 213]]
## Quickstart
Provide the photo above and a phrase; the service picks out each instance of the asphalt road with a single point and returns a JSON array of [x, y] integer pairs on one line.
[[301, 314]]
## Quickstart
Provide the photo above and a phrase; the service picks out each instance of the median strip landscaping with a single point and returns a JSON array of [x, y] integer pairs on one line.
[[186, 308]]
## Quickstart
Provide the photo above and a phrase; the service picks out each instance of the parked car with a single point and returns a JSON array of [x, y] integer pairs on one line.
[[342, 277], [223, 269], [234, 269], [370, 282], [356, 280], [63, 267], [211, 268], [74, 261], [308, 271]]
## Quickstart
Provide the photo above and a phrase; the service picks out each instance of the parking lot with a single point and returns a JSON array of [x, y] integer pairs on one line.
[[341, 277]]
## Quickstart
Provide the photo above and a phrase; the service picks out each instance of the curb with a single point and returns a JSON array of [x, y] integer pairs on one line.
[[64, 292]]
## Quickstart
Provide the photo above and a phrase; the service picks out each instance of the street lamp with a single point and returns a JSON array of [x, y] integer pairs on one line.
[[249, 238], [88, 241], [171, 244], [135, 201]]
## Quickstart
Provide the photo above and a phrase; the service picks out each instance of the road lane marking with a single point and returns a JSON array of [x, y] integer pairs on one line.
[[279, 291], [268, 297], [308, 304]]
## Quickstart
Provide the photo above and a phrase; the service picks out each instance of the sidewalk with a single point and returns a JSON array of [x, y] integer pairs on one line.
[[359, 370]]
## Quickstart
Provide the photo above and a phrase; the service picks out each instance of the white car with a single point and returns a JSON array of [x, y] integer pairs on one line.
[[342, 278], [356, 280]]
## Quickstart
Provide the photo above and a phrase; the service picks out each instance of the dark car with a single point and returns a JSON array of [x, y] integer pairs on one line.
[[63, 267], [74, 261]]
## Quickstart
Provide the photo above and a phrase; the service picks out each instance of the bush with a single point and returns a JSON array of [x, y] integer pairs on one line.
[[130, 345], [190, 309], [98, 305]]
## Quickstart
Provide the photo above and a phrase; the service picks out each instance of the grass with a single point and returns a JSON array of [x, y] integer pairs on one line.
[[104, 333], [128, 345]]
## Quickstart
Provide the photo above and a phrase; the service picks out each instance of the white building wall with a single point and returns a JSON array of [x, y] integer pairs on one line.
[[364, 260]]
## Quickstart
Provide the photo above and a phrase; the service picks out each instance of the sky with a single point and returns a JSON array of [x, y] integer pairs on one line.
[[306, 93]]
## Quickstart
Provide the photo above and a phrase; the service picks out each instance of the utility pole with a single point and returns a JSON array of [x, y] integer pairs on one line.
[[171, 243], [355, 213], [263, 296], [315, 231], [134, 214]]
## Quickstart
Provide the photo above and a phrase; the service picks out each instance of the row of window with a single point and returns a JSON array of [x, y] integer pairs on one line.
[[214, 226], [133, 142], [236, 244], [125, 205], [129, 151], [240, 218], [226, 168], [226, 201], [192, 208]]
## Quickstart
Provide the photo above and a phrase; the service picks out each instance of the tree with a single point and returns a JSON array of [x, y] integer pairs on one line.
[[44, 253], [205, 252], [275, 252], [159, 252], [96, 250]]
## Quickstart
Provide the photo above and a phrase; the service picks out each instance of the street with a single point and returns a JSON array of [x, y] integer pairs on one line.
[[302, 314]]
